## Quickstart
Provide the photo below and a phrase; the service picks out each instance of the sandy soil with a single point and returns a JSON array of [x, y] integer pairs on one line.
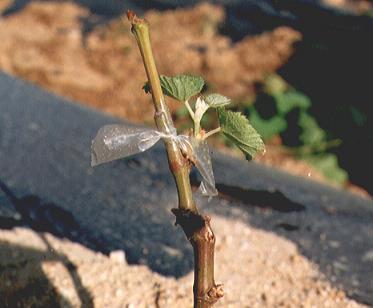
[[258, 268]]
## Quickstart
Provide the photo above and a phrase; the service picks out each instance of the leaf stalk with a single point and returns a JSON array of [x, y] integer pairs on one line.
[[190, 110], [211, 132]]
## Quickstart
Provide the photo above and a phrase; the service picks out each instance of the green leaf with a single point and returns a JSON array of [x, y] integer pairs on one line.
[[289, 100], [238, 129], [216, 100], [180, 87], [328, 165], [274, 84], [311, 131]]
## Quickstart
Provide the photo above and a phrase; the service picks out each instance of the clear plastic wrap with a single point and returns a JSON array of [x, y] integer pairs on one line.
[[118, 141], [204, 166]]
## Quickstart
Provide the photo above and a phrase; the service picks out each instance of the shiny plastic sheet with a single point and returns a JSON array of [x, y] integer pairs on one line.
[[117, 141]]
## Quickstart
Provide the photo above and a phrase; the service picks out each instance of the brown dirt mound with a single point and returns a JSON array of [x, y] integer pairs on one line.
[[44, 43]]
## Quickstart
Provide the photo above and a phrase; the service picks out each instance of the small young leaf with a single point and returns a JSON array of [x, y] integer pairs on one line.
[[238, 129], [182, 87], [200, 107], [216, 100]]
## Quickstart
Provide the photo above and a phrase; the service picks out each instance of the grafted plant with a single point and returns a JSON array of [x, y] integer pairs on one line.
[[183, 151]]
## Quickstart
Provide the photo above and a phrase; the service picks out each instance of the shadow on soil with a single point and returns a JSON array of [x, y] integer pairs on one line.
[[23, 282]]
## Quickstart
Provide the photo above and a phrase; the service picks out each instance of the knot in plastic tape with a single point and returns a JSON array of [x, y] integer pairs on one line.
[[113, 142]]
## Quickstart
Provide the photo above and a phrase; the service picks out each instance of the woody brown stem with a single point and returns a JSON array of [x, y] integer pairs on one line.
[[199, 233], [196, 227]]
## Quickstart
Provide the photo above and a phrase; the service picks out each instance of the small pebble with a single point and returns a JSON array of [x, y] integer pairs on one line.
[[118, 256]]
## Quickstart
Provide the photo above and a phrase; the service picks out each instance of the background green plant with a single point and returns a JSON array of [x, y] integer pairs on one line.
[[280, 110]]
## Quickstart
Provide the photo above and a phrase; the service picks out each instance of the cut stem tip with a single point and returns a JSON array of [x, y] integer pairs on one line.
[[131, 15], [134, 20]]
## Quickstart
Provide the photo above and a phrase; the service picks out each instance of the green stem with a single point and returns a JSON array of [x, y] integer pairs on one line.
[[178, 164], [196, 227]]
